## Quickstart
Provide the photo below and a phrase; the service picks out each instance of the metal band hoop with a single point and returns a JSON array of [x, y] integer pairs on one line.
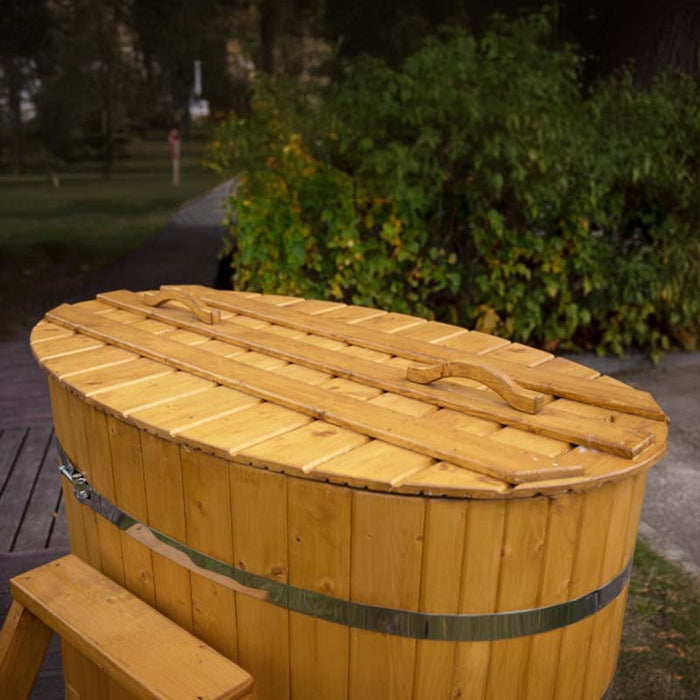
[[402, 623]]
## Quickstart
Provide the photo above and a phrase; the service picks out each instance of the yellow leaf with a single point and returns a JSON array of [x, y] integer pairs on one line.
[[488, 320], [676, 650]]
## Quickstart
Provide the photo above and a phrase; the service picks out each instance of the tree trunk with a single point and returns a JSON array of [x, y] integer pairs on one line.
[[269, 30], [14, 99]]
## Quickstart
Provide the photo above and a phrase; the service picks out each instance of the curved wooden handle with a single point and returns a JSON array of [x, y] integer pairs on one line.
[[202, 312], [512, 393]]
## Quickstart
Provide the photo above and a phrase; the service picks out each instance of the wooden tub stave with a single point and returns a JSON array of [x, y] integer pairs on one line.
[[430, 554]]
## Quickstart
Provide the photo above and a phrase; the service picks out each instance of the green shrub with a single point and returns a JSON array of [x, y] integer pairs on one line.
[[480, 184], [326, 238]]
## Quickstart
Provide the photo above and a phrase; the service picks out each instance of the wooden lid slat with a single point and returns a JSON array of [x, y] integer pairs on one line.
[[303, 449], [94, 382], [507, 463], [154, 392], [549, 422], [386, 465], [620, 398]]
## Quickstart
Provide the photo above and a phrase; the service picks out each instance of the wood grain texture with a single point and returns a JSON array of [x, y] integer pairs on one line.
[[139, 648], [72, 672], [441, 572], [518, 589], [559, 552], [205, 481], [478, 592], [615, 630], [340, 410], [302, 449], [255, 440], [599, 648], [24, 639], [70, 432], [446, 394], [260, 537], [166, 513], [592, 424], [620, 398], [101, 477], [586, 576], [130, 495], [387, 544], [166, 294], [319, 560], [480, 371]]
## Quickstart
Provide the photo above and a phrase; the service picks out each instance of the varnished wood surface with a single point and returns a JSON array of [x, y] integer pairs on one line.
[[125, 343], [141, 650], [621, 397], [24, 639], [201, 385], [322, 507], [49, 683], [394, 377], [437, 555]]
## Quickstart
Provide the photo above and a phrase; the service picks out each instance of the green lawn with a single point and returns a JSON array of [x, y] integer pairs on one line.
[[660, 650], [53, 238]]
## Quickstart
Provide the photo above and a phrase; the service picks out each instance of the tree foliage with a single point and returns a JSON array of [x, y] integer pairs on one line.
[[25, 47], [83, 104], [510, 199]]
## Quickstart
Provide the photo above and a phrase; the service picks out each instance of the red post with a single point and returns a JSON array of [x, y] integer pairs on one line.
[[175, 153]]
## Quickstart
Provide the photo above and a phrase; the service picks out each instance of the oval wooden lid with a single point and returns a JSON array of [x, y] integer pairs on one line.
[[349, 394]]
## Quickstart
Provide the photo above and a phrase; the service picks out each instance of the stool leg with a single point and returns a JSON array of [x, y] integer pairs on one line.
[[24, 639]]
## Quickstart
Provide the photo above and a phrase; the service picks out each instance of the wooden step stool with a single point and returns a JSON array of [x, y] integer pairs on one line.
[[144, 653]]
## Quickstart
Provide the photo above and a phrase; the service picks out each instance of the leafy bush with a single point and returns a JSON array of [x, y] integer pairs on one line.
[[478, 182], [325, 234]]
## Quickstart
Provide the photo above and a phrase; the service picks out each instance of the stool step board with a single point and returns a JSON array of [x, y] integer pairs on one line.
[[139, 648]]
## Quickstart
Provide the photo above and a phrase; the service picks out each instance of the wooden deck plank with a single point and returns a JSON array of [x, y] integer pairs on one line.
[[58, 537], [24, 399], [10, 444], [20, 484], [37, 523]]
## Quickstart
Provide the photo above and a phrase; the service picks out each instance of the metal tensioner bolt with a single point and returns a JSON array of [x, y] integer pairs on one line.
[[81, 488]]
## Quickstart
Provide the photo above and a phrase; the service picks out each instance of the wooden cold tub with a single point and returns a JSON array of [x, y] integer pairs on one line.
[[268, 472]]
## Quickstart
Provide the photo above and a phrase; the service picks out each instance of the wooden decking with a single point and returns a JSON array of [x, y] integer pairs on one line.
[[24, 394], [31, 513], [32, 525]]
